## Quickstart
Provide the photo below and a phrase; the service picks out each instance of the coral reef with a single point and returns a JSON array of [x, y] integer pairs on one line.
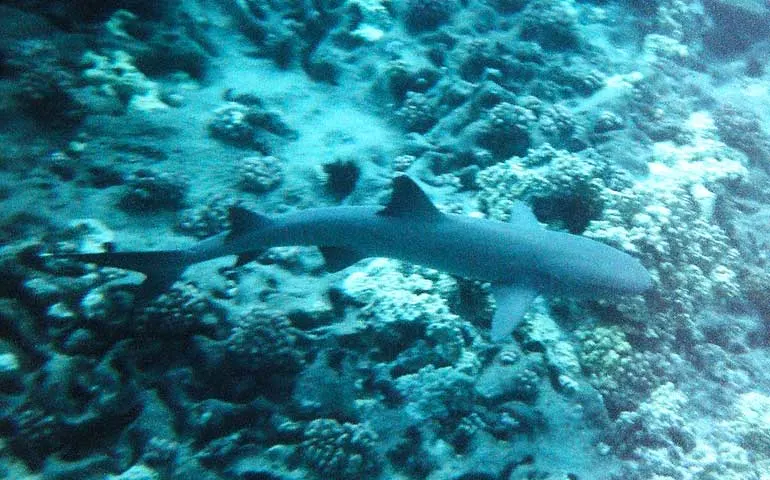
[[148, 189], [553, 25], [183, 310], [742, 129], [504, 130], [263, 342], [752, 423], [424, 15], [655, 432], [47, 90], [72, 399], [441, 394], [620, 121], [417, 113], [563, 188], [116, 76], [260, 174], [208, 219], [340, 450], [245, 123]]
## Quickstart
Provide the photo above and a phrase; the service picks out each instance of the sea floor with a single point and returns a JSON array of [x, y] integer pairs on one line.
[[138, 126]]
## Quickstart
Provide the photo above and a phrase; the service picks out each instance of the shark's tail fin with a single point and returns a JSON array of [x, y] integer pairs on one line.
[[161, 268]]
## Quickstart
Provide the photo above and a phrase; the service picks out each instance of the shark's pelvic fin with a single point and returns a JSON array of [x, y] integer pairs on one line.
[[247, 257], [408, 200], [512, 303], [338, 258]]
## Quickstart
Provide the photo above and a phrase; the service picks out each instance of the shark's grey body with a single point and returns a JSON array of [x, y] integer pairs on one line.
[[519, 258]]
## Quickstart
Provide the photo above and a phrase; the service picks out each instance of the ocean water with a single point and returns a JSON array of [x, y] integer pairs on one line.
[[142, 126]]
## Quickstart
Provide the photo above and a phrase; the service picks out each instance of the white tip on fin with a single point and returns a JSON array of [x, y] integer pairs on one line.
[[512, 303]]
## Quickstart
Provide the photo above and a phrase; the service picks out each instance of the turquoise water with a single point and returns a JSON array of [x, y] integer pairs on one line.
[[140, 126]]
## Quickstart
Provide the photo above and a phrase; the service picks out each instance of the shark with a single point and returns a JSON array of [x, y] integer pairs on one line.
[[519, 258]]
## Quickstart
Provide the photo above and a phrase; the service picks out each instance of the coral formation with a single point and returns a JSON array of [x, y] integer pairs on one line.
[[554, 25], [417, 113], [563, 188], [752, 423], [504, 130], [208, 219], [183, 310], [424, 15], [264, 342], [115, 75], [259, 174], [245, 123], [742, 129], [148, 189], [340, 450], [441, 394], [655, 432]]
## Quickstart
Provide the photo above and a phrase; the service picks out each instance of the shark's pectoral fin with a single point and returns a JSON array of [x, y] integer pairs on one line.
[[512, 303], [247, 257], [338, 258]]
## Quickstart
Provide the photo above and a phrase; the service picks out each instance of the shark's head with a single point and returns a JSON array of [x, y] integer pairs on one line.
[[593, 269], [616, 274], [633, 279]]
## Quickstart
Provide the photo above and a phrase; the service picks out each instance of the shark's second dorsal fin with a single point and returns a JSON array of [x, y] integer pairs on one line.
[[522, 216], [243, 220], [408, 200]]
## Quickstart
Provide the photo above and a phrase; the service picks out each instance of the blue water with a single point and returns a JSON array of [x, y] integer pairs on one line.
[[138, 126]]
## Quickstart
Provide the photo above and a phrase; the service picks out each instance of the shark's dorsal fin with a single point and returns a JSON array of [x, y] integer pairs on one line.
[[408, 200], [243, 220], [522, 216]]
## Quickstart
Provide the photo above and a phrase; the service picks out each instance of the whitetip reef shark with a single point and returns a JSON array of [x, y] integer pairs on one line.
[[520, 258]]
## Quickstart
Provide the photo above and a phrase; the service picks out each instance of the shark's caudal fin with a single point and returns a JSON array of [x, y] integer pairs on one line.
[[161, 268]]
